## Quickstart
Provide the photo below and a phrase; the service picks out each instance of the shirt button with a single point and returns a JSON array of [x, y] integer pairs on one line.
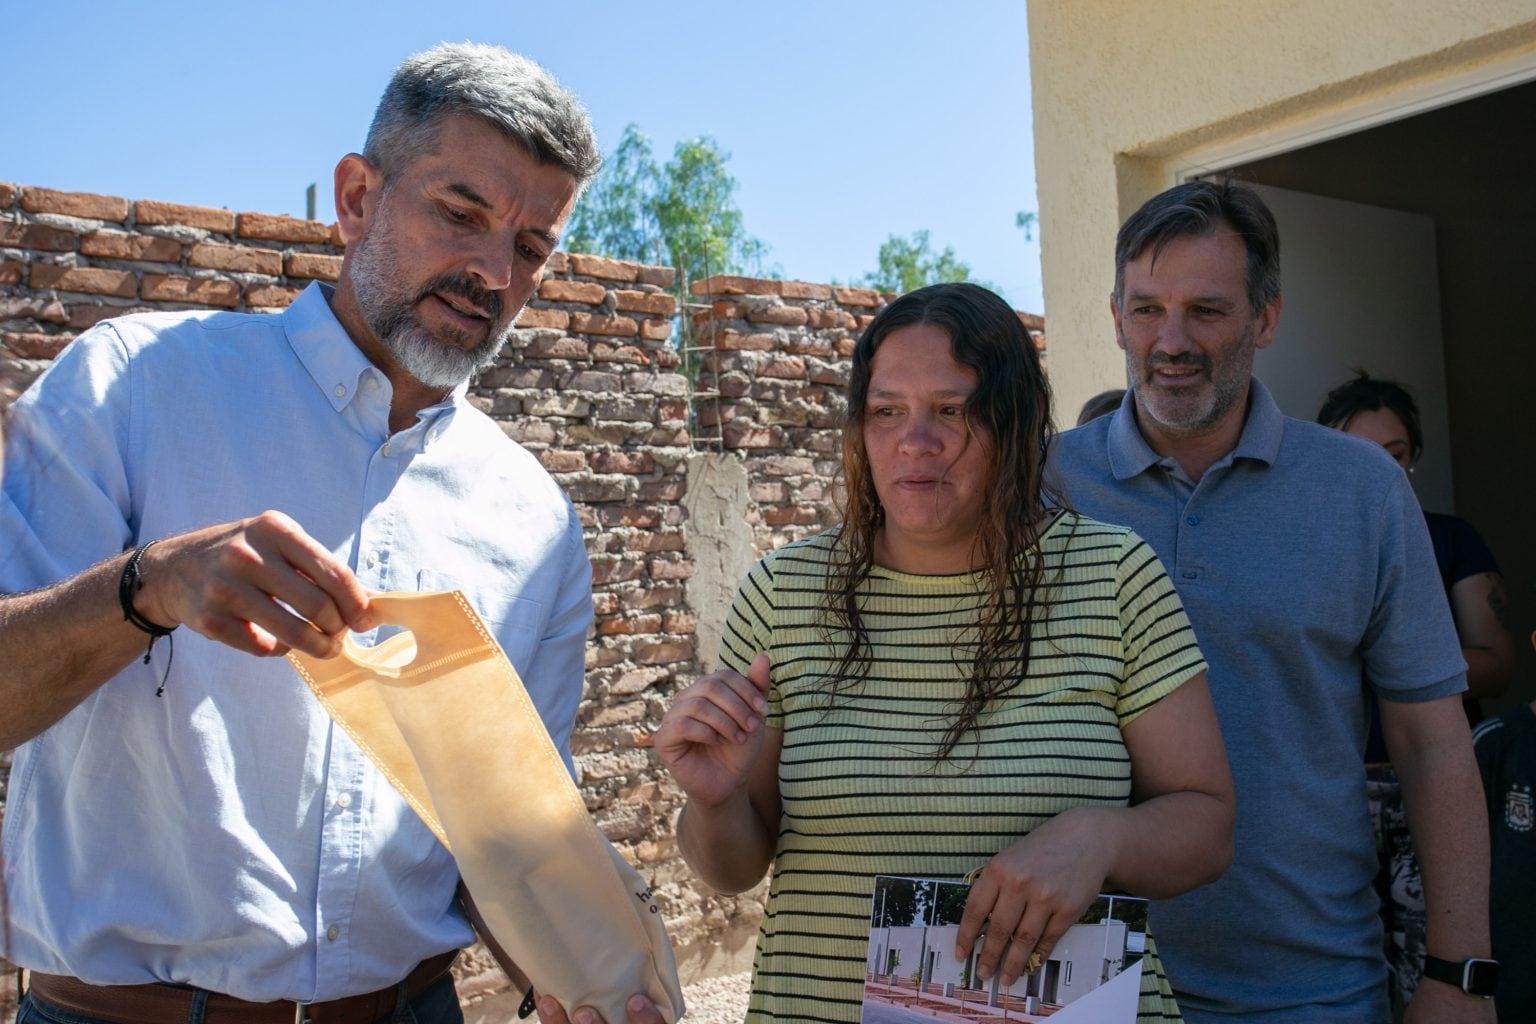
[[372, 559], [385, 449], [339, 390], [344, 801], [1193, 520], [331, 933], [373, 383], [1189, 574]]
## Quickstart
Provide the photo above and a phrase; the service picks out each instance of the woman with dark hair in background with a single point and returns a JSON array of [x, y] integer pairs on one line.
[[1383, 412], [960, 675]]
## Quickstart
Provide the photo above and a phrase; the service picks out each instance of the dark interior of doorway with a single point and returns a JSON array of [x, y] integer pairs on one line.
[[1471, 166]]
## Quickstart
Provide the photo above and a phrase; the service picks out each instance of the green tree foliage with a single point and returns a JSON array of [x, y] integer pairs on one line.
[[910, 262], [617, 215], [682, 214], [1026, 222]]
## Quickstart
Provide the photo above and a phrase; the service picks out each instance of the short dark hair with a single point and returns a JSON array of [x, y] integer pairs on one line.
[[1101, 404], [1364, 393], [509, 92], [1201, 208]]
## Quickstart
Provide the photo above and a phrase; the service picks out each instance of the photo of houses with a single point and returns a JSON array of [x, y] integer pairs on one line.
[[912, 976]]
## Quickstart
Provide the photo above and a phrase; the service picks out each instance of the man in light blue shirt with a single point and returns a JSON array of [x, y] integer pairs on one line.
[[193, 829], [1304, 564]]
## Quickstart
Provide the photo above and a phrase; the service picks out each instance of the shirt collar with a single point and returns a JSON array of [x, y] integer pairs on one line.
[[333, 360], [1129, 453]]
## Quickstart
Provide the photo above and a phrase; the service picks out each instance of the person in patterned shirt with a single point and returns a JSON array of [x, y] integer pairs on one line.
[[963, 674]]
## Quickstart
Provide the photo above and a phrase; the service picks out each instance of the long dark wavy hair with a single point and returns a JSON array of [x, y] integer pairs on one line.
[[1009, 414]]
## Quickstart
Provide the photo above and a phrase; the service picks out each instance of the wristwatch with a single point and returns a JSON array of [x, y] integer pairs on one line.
[[1477, 976]]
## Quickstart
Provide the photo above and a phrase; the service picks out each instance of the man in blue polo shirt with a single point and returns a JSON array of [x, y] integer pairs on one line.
[[1302, 558]]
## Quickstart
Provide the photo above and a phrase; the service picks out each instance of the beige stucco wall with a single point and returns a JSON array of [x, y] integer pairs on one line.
[[1123, 91]]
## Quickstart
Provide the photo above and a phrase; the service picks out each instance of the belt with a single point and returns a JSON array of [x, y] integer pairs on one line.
[[162, 1004]]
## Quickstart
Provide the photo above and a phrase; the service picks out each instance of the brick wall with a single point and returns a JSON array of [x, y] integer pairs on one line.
[[773, 388], [590, 383]]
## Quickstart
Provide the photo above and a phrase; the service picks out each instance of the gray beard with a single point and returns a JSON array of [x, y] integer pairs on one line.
[[429, 360]]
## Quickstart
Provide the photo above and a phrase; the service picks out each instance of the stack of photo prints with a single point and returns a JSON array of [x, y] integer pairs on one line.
[[911, 976]]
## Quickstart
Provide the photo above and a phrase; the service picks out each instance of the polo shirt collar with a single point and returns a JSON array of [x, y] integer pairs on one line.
[[333, 360], [1130, 455]]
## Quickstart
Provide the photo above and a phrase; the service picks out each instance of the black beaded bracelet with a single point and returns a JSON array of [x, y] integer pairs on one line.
[[129, 585]]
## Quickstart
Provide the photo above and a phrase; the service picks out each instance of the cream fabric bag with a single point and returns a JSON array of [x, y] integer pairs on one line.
[[445, 717]]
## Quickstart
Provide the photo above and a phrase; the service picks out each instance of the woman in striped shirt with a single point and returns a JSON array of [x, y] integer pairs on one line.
[[962, 675]]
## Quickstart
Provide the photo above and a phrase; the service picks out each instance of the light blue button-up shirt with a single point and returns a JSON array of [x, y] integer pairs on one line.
[[227, 835]]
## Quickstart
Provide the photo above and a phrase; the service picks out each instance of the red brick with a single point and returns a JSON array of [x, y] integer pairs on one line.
[[727, 310], [865, 320], [10, 272], [559, 319], [152, 211], [83, 316], [555, 290], [808, 346], [240, 258], [802, 290], [845, 347], [7, 194], [791, 516], [315, 265], [656, 330], [601, 266], [120, 245], [622, 462], [822, 319], [597, 323], [198, 291], [786, 316], [641, 624], [273, 228], [666, 653], [664, 569], [603, 353], [557, 348], [34, 345], [90, 280], [661, 277], [790, 368], [659, 303], [751, 436], [33, 307], [278, 296], [36, 236], [556, 264], [734, 341], [856, 296], [335, 240], [74, 204], [730, 284], [679, 622], [623, 515], [562, 462], [668, 358], [1031, 321]]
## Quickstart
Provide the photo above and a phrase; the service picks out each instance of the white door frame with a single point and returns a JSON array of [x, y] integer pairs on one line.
[[1352, 117]]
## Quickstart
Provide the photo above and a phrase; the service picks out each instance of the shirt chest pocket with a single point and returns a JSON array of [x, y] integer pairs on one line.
[[514, 620]]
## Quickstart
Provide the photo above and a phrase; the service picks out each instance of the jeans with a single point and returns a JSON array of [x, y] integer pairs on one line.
[[437, 1004]]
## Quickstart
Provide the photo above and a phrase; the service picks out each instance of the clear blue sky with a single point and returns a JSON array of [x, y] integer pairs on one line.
[[846, 120]]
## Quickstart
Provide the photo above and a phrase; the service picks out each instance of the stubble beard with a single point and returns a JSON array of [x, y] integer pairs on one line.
[[1194, 414], [429, 359]]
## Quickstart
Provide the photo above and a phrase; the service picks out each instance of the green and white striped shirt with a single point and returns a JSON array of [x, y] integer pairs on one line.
[[862, 795]]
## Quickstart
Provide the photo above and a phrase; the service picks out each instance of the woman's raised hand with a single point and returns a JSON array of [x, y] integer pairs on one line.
[[713, 733]]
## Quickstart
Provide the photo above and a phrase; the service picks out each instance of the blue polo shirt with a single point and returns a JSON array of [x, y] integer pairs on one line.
[[1304, 564]]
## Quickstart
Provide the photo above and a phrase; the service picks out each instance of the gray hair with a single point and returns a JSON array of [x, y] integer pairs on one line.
[[1202, 208], [509, 92]]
